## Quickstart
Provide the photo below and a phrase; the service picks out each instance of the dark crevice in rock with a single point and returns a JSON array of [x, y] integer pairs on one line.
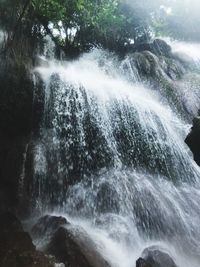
[[193, 139]]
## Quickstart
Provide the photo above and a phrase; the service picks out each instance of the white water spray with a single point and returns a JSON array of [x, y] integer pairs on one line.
[[116, 163]]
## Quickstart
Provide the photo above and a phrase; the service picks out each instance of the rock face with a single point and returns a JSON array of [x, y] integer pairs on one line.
[[16, 247], [193, 139], [163, 71], [155, 257], [158, 47], [157, 67], [17, 122], [21, 109]]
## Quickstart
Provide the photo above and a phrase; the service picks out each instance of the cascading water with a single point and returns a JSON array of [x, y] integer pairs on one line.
[[111, 157]]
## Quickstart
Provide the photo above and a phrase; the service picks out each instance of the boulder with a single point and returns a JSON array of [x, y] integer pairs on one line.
[[73, 247], [161, 73], [65, 250], [151, 66], [161, 48], [158, 47], [193, 139], [145, 62], [143, 47], [155, 257], [67, 244], [47, 225]]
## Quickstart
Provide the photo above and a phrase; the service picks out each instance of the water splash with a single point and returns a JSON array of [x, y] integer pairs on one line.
[[192, 50], [3, 37]]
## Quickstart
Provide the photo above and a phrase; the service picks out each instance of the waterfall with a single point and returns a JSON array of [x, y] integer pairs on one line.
[[111, 157], [3, 37], [191, 50]]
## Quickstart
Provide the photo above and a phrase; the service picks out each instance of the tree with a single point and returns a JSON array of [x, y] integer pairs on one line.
[[85, 22], [76, 26]]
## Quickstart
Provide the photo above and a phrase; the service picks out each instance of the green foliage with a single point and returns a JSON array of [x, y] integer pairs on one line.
[[99, 22], [111, 24], [94, 21], [85, 23]]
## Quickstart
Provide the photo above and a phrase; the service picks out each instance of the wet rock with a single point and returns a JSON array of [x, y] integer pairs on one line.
[[70, 246], [173, 68], [157, 68], [158, 47], [193, 139], [142, 263], [162, 73], [65, 250], [161, 48], [47, 225], [155, 257], [143, 47], [146, 63], [156, 64], [73, 247]]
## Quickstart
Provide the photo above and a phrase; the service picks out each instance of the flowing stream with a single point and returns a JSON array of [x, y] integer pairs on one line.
[[111, 158]]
